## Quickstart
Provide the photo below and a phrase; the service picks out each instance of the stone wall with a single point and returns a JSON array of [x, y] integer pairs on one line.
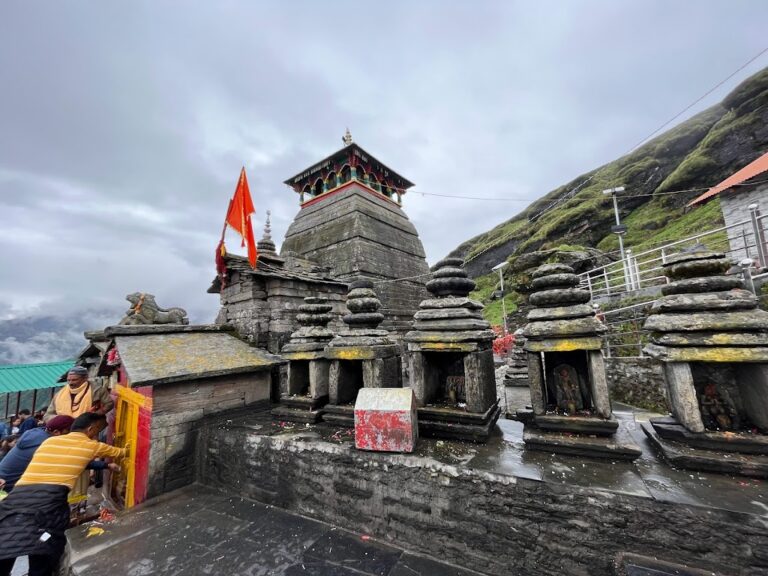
[[638, 381], [263, 308], [735, 207], [178, 412], [489, 522]]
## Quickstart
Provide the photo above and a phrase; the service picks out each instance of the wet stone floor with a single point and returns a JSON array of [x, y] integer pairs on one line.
[[196, 531]]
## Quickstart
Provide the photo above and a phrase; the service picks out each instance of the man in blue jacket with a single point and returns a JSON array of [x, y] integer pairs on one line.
[[28, 421]]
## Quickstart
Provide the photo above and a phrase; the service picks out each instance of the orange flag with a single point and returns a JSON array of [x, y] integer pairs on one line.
[[239, 217]]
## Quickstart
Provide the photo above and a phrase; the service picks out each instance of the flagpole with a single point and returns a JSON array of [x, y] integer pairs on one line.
[[224, 228]]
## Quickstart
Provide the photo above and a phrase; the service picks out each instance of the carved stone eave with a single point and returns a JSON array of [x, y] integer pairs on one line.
[[563, 344], [707, 354], [450, 336]]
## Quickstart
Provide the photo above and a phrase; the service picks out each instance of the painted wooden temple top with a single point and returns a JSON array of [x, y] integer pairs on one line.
[[350, 163]]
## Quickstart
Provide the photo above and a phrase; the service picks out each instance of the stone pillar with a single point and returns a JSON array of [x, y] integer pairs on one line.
[[333, 381], [381, 373], [417, 376], [537, 385], [682, 395], [318, 378], [598, 383], [478, 368], [372, 370]]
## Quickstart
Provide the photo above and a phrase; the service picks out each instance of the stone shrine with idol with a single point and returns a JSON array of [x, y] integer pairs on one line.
[[304, 389], [569, 392], [713, 342], [450, 359], [361, 356]]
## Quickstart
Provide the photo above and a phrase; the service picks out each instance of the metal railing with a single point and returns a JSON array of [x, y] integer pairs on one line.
[[625, 335], [742, 240]]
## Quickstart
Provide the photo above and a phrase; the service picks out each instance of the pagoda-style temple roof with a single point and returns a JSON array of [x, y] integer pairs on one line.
[[349, 163]]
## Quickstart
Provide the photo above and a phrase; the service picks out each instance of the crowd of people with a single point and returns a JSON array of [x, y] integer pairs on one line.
[[44, 468], [16, 426]]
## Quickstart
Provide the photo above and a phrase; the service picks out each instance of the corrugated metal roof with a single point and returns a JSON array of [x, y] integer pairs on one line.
[[20, 377], [749, 171]]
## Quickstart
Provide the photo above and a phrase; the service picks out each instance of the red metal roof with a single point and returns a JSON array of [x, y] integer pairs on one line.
[[749, 171]]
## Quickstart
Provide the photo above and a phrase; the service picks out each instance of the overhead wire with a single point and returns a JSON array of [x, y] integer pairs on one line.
[[575, 190], [571, 193]]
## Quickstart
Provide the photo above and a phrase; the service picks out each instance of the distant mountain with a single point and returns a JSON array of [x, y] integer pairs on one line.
[[698, 153], [49, 338]]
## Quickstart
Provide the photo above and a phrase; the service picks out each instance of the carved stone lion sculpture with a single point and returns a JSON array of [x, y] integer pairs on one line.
[[144, 310]]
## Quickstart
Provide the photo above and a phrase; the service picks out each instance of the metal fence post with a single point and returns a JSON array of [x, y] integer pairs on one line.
[[746, 272], [589, 285], [607, 283], [637, 271], [629, 275], [745, 242], [757, 229]]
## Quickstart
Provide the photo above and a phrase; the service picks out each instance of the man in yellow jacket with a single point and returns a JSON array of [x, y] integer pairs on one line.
[[79, 396], [35, 515]]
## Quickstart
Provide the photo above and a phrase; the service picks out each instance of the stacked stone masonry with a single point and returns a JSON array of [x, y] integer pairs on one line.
[[499, 525], [358, 233]]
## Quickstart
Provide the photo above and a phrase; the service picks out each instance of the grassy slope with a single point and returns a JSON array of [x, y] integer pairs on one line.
[[695, 154]]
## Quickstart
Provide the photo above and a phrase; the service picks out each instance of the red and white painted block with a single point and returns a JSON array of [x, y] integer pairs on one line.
[[385, 420]]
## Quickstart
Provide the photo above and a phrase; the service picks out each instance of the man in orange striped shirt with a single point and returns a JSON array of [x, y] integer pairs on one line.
[[35, 515]]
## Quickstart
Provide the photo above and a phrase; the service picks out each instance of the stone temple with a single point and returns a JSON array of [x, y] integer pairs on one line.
[[351, 221], [350, 226]]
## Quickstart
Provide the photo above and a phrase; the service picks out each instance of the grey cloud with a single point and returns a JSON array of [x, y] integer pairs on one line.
[[124, 127]]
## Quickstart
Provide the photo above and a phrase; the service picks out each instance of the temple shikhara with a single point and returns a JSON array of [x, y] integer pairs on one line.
[[346, 382], [352, 222]]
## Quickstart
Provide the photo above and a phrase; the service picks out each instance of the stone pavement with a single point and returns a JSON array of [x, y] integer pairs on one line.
[[195, 531]]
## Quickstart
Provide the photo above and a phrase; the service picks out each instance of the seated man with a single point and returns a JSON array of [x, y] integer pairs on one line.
[[35, 515]]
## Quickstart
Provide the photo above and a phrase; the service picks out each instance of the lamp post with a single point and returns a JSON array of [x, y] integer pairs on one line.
[[499, 268], [619, 229]]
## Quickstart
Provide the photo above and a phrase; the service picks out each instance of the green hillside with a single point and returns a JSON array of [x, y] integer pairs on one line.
[[696, 154]]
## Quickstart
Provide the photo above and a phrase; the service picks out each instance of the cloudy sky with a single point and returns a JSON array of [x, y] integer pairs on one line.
[[123, 125]]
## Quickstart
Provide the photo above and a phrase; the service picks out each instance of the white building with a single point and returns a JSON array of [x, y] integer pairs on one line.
[[743, 198]]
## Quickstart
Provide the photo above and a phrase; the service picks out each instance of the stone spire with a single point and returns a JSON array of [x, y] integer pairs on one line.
[[451, 308], [266, 245], [705, 315], [363, 305], [562, 309], [362, 322], [313, 318]]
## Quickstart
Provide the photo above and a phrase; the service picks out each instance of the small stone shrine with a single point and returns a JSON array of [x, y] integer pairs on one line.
[[304, 391], [569, 393], [362, 355], [451, 359], [713, 342]]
